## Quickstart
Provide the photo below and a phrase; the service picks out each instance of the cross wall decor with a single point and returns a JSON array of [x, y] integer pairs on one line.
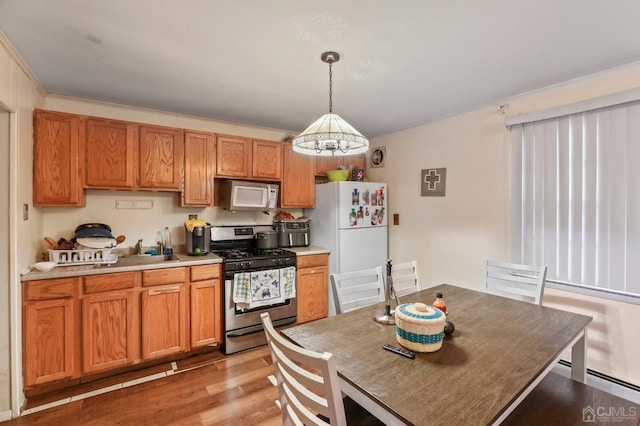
[[433, 182]]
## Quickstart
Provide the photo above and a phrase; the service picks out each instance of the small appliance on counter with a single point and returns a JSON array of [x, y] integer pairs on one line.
[[197, 237], [292, 232]]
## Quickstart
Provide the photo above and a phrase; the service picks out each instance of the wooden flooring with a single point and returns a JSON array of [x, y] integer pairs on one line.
[[217, 390]]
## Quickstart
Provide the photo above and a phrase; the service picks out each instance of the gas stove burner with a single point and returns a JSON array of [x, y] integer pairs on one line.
[[231, 254], [234, 254]]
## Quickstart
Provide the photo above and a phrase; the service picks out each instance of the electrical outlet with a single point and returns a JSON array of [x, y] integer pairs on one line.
[[25, 212]]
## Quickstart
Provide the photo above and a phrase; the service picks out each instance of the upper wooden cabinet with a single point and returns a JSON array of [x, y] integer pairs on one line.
[[199, 163], [58, 160], [267, 160], [358, 161], [110, 154], [298, 180], [233, 156], [160, 155], [239, 157]]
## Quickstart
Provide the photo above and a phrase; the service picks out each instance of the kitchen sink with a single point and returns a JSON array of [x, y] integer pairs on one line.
[[145, 259]]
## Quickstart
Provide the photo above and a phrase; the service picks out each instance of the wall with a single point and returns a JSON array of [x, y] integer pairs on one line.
[[18, 95], [452, 236], [100, 206]]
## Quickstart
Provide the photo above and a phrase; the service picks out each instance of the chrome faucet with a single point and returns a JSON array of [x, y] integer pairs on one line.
[[139, 246]]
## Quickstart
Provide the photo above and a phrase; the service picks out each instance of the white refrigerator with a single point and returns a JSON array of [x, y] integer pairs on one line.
[[350, 219]]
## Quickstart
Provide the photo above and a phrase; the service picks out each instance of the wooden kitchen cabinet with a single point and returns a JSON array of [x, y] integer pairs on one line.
[[298, 180], [164, 316], [233, 156], [206, 305], [110, 154], [267, 160], [238, 157], [312, 287], [160, 158], [199, 163], [358, 161], [58, 159], [109, 315], [49, 335]]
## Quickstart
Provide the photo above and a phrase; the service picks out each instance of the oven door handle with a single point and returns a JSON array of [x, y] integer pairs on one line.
[[259, 328]]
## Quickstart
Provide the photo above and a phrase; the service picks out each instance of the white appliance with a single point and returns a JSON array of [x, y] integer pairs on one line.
[[350, 219], [236, 195]]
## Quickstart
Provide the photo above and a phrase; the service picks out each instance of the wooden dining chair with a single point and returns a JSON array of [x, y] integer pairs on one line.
[[308, 385], [516, 281], [353, 290], [406, 279]]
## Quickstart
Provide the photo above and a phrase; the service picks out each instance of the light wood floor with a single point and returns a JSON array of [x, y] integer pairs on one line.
[[219, 390]]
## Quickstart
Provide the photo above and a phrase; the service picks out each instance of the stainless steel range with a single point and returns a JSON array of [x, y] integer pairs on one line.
[[255, 281]]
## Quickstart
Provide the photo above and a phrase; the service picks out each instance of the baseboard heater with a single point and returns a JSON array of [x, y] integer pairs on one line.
[[605, 377]]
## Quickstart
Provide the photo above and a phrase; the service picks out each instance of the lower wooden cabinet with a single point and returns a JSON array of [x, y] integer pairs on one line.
[[109, 338], [164, 312], [206, 294], [312, 287], [48, 334], [78, 326]]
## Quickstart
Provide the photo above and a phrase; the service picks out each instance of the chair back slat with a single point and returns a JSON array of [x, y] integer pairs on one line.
[[353, 290], [516, 281]]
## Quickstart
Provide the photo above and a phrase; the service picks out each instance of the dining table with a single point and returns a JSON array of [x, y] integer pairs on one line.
[[498, 352]]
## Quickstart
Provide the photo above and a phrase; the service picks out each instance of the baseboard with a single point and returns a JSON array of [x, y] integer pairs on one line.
[[606, 377], [5, 415]]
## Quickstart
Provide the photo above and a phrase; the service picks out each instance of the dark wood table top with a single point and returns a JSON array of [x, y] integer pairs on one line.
[[499, 347]]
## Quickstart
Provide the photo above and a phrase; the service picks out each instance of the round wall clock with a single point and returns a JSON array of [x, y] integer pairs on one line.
[[378, 156]]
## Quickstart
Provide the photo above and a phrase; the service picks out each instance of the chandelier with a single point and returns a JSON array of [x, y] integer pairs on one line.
[[330, 134]]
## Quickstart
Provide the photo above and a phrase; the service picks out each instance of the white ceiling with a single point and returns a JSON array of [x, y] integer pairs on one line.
[[405, 62]]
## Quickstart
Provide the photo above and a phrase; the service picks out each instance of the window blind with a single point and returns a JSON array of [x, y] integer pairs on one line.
[[576, 198]]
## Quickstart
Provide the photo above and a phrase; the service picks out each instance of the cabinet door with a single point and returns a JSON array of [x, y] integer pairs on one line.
[[164, 320], [358, 161], [107, 330], [312, 291], [298, 180], [199, 160], [233, 156], [160, 153], [327, 163], [58, 160], [206, 318], [267, 160], [48, 340], [110, 153]]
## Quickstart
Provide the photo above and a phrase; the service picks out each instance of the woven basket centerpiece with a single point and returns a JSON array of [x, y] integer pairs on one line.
[[419, 327]]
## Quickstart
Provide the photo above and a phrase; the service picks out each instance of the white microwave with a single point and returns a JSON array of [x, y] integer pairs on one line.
[[237, 195]]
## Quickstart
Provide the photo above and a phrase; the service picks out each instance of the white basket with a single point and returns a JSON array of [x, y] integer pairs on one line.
[[82, 257]]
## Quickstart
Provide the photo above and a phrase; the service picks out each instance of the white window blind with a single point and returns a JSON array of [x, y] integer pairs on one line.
[[576, 198]]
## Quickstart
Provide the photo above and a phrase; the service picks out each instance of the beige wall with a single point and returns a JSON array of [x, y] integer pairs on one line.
[[452, 236]]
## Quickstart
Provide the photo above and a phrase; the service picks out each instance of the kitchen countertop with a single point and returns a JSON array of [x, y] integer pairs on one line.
[[183, 260], [72, 271], [309, 250]]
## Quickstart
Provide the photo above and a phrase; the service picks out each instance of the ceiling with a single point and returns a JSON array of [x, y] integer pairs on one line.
[[257, 62]]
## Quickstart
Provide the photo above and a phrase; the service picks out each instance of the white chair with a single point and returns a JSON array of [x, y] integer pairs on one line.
[[406, 279], [516, 281], [353, 290], [308, 385]]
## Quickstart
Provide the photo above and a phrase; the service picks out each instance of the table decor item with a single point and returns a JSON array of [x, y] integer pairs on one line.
[[419, 327]]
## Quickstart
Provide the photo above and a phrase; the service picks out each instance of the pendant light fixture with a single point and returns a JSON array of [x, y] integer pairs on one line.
[[330, 134]]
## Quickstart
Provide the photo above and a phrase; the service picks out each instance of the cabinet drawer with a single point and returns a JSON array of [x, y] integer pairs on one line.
[[205, 272], [60, 288], [107, 282], [312, 260], [164, 276]]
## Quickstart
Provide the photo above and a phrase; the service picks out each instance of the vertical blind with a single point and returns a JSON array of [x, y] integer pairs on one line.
[[576, 198]]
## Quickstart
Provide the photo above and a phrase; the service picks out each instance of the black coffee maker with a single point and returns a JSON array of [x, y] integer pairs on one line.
[[198, 238]]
